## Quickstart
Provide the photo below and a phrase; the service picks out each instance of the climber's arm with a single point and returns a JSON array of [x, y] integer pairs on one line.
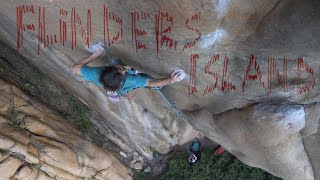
[[176, 76], [76, 67], [159, 82]]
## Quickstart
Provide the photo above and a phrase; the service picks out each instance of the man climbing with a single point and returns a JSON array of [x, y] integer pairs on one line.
[[116, 80]]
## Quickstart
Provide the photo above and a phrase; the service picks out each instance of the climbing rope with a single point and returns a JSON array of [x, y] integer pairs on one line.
[[179, 113]]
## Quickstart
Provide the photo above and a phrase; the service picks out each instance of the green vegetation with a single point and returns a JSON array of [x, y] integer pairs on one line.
[[67, 105], [6, 66], [36, 165], [34, 75], [4, 151], [210, 167], [38, 85], [12, 116], [80, 116]]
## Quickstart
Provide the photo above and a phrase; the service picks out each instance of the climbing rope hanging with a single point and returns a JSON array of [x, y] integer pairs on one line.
[[179, 113]]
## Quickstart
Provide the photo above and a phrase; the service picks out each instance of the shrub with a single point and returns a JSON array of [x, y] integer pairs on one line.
[[210, 167]]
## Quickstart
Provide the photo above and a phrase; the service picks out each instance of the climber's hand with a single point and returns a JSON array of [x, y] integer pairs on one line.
[[177, 76], [97, 53]]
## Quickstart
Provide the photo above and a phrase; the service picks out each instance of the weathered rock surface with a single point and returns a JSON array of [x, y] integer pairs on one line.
[[245, 52], [310, 136], [36, 142], [265, 136]]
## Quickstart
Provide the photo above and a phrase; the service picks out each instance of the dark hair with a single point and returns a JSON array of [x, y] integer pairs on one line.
[[111, 78]]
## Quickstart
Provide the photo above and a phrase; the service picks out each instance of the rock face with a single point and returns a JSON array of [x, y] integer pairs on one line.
[[37, 143], [252, 70], [265, 136]]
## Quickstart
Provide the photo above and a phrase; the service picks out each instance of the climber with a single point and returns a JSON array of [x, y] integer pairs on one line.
[[195, 153], [116, 79]]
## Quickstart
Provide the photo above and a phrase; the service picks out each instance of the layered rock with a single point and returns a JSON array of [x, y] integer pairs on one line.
[[236, 54], [37, 143]]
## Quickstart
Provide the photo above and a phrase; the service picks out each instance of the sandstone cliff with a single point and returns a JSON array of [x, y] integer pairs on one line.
[[252, 68], [37, 143]]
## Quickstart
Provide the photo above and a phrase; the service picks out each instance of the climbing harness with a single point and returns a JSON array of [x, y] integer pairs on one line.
[[179, 113]]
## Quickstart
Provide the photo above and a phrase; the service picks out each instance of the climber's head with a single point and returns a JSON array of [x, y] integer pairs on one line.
[[111, 77]]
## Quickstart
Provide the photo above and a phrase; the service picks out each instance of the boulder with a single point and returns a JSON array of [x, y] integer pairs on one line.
[[9, 166]]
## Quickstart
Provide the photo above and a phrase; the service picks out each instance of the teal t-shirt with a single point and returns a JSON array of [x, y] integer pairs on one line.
[[130, 81]]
